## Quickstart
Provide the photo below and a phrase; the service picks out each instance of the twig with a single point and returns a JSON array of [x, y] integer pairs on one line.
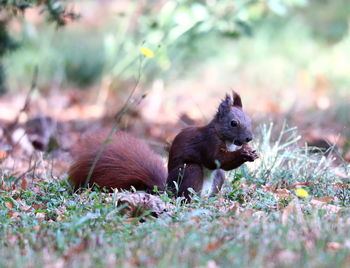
[[23, 174], [25, 107], [114, 129]]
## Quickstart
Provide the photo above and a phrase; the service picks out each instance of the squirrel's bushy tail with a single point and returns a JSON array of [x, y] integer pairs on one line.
[[125, 162]]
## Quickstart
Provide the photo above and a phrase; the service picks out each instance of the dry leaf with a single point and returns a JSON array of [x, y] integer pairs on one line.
[[13, 214], [333, 246], [58, 263], [282, 193], [81, 247], [12, 239], [325, 199], [246, 213], [347, 156], [331, 209], [196, 219], [341, 186], [3, 154], [288, 210], [24, 207], [214, 245], [39, 206], [297, 184], [267, 188], [233, 208], [132, 220], [24, 184], [4, 187], [291, 208], [40, 215], [9, 205], [250, 188], [36, 227], [340, 174], [259, 214], [287, 256], [137, 204]]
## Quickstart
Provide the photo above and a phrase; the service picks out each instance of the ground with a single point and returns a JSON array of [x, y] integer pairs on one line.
[[290, 208]]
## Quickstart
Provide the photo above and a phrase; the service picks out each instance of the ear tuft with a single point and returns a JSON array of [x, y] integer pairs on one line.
[[224, 107], [236, 99]]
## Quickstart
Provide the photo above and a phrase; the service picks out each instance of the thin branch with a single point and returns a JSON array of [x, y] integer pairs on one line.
[[114, 129], [26, 105]]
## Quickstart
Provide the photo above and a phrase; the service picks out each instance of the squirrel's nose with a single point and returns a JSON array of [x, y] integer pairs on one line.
[[248, 139]]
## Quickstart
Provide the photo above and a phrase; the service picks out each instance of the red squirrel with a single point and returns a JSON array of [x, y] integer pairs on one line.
[[197, 154]]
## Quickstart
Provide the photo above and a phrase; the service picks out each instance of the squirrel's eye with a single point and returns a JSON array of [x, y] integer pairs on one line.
[[234, 123]]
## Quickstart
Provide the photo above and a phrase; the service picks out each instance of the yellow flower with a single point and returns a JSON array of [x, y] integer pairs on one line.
[[146, 52], [301, 193]]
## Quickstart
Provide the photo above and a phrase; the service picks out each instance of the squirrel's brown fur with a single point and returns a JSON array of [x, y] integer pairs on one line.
[[125, 162]]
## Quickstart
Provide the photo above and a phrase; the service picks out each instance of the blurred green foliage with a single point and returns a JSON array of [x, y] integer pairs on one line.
[[181, 33], [55, 10], [329, 19], [10, 9]]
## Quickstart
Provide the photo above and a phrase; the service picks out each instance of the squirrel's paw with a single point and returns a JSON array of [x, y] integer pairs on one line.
[[248, 154]]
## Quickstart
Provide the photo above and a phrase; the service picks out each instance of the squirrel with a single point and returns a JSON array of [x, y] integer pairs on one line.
[[198, 156]]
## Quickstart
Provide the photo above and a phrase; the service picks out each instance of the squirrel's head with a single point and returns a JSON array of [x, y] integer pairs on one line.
[[233, 125]]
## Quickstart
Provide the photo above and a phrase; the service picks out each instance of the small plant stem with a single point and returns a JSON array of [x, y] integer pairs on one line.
[[115, 127]]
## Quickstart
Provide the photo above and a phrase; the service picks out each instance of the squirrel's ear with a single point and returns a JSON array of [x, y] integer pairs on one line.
[[236, 99], [224, 107]]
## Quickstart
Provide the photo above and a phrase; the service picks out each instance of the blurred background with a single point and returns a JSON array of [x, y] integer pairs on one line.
[[75, 63]]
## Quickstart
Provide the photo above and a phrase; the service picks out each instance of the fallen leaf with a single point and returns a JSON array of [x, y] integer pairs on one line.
[[322, 205], [282, 193], [40, 215], [196, 219], [24, 184], [287, 256], [24, 207], [9, 205], [4, 187], [333, 246], [214, 245], [13, 214], [3, 155], [325, 199], [233, 208], [138, 204], [38, 206], [286, 212], [291, 208], [36, 227], [79, 248], [12, 239], [347, 156], [341, 186], [246, 213], [340, 174], [295, 185], [132, 220]]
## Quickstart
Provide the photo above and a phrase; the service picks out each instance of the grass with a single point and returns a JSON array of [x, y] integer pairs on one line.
[[256, 221]]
